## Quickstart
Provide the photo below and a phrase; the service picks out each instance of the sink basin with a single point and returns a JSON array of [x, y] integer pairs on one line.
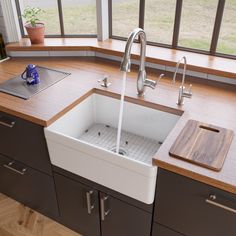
[[83, 142]]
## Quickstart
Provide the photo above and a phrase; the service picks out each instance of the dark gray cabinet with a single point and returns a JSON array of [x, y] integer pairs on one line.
[[119, 218], [93, 210], [24, 141], [160, 230], [28, 186], [25, 167], [79, 206], [193, 208]]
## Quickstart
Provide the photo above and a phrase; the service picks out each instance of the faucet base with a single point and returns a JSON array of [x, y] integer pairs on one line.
[[141, 94], [180, 103], [105, 85]]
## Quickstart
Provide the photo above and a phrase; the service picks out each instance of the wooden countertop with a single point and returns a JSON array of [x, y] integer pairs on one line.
[[165, 56], [210, 104]]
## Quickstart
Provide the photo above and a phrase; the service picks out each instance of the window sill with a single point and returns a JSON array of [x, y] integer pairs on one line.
[[164, 56]]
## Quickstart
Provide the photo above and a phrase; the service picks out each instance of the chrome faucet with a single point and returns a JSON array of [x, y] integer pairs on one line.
[[182, 92], [142, 80]]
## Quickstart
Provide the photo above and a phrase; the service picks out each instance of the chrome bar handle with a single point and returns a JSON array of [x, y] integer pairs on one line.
[[90, 206], [10, 167], [7, 123], [212, 200], [104, 212], [150, 83]]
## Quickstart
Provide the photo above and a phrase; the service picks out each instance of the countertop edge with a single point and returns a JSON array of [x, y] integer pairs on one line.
[[195, 176]]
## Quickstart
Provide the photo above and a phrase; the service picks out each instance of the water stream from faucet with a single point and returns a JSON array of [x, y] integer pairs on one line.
[[121, 112]]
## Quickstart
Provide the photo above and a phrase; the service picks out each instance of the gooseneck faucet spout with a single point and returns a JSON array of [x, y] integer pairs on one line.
[[142, 81], [182, 92]]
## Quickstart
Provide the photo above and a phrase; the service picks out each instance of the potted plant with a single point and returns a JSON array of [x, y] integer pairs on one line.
[[34, 27]]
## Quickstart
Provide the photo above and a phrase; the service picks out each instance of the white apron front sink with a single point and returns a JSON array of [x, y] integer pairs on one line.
[[83, 142]]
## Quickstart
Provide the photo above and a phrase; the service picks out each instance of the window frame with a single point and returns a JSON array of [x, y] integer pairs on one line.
[[61, 21], [176, 30]]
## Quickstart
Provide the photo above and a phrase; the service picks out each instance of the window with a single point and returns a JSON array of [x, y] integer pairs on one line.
[[125, 16], [50, 16], [204, 26], [197, 23], [159, 20], [79, 16], [180, 24], [227, 38], [64, 17]]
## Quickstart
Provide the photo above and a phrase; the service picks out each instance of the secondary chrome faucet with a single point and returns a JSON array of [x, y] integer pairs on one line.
[[142, 80], [182, 92]]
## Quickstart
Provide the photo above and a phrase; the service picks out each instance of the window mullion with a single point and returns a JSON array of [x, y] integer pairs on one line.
[[178, 11], [110, 17], [59, 4], [20, 18], [141, 13], [216, 30]]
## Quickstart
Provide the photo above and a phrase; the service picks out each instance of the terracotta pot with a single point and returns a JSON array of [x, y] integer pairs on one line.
[[36, 34]]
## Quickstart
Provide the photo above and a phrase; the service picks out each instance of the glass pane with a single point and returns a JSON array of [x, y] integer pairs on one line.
[[50, 16], [227, 38], [125, 16], [159, 20], [79, 16], [197, 23]]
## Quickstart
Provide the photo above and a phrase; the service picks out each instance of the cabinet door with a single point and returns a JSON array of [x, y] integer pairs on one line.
[[159, 230], [78, 205], [28, 186], [194, 208], [24, 141], [119, 218]]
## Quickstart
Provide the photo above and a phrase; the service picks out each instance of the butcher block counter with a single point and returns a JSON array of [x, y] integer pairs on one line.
[[212, 103]]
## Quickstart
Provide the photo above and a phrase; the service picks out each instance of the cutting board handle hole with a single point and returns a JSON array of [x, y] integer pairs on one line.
[[209, 128]]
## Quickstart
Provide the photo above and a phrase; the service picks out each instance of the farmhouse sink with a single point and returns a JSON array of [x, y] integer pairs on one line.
[[83, 142]]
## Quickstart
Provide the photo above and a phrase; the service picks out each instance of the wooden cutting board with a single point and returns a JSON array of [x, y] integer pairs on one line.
[[202, 144]]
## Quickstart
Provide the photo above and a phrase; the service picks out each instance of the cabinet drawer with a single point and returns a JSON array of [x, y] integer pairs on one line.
[[28, 186], [189, 207], [24, 141], [159, 230]]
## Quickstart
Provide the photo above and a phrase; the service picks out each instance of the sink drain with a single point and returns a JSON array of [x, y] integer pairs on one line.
[[122, 151]]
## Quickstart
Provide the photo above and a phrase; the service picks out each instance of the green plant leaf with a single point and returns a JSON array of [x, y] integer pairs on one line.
[[31, 15]]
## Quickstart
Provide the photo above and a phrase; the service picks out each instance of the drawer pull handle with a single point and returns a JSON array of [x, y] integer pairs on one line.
[[6, 122], [9, 125], [212, 200], [90, 206], [10, 167], [104, 212]]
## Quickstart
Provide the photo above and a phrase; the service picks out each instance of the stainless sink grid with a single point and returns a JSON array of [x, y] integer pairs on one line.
[[134, 146]]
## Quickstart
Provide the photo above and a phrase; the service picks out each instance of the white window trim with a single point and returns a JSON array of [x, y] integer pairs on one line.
[[102, 20], [11, 20]]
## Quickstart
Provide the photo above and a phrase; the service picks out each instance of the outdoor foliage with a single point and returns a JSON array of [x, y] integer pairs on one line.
[[31, 15]]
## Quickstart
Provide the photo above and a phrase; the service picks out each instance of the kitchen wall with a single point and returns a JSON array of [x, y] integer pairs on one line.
[[2, 25]]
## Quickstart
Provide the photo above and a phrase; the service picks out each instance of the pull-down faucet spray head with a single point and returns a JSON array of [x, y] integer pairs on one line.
[[142, 81]]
